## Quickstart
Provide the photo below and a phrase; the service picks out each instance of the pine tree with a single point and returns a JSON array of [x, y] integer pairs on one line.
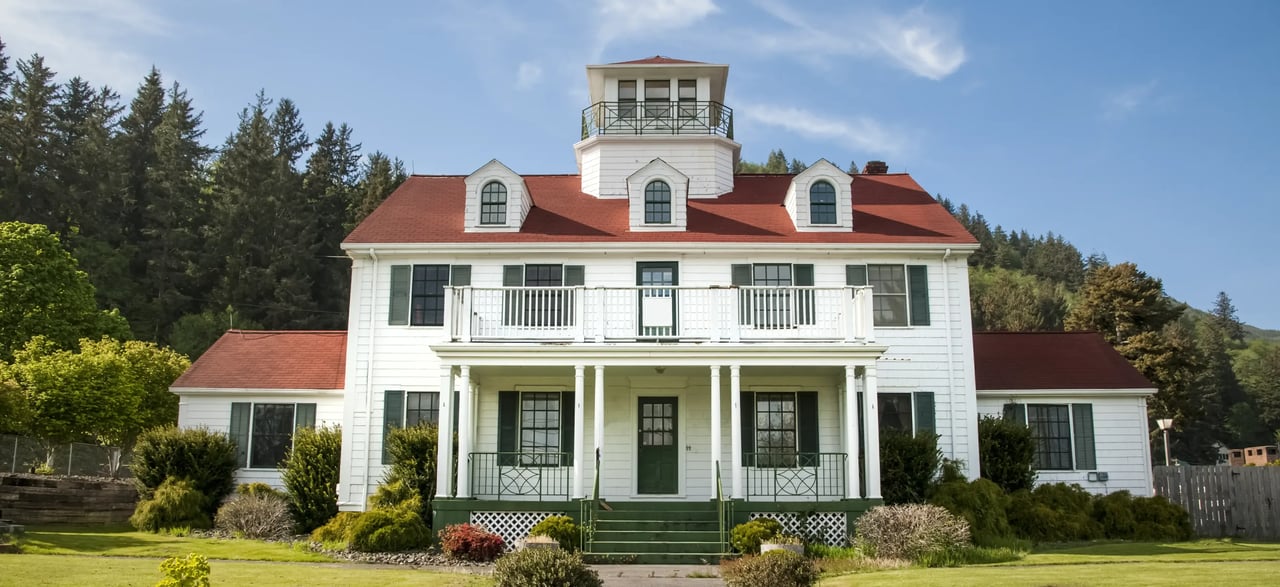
[[776, 163], [796, 166], [853, 168], [381, 176], [330, 184], [28, 190], [1121, 301], [1223, 317]]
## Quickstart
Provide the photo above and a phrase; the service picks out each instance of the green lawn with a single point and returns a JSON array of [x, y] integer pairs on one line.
[[124, 541]]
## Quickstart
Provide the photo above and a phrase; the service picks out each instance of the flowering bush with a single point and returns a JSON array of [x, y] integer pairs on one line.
[[470, 542]]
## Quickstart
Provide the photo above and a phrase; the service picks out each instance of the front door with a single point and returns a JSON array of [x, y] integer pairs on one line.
[[658, 454], [657, 303]]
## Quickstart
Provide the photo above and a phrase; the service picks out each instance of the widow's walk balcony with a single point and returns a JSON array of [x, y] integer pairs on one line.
[[662, 313], [657, 118]]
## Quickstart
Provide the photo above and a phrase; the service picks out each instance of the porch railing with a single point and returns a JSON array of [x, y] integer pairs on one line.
[[795, 475], [657, 118], [498, 475], [636, 313]]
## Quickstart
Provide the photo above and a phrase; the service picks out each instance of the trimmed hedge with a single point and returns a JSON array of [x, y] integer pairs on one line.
[[1006, 454], [982, 504]]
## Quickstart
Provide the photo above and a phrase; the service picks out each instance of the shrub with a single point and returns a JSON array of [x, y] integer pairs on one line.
[[337, 529], [543, 567], [911, 532], [982, 505], [175, 504], [1054, 513], [389, 530], [1006, 453], [260, 516], [908, 466], [560, 528], [1160, 519], [394, 494], [776, 568], [747, 536], [311, 476], [1114, 512], [259, 488], [470, 542], [207, 459], [187, 571], [413, 463]]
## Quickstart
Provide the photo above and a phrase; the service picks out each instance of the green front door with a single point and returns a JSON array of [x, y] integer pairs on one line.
[[658, 454]]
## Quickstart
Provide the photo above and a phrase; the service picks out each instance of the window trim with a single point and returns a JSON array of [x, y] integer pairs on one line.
[[833, 204], [914, 408], [1023, 410], [484, 205], [249, 433], [807, 405], [533, 457], [415, 295], [654, 197]]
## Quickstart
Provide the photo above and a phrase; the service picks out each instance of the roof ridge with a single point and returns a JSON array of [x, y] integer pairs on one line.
[[1026, 332], [245, 331]]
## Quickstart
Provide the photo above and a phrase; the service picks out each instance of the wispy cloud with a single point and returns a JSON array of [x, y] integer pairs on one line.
[[528, 75], [926, 44], [861, 133], [83, 37], [1122, 103], [624, 19]]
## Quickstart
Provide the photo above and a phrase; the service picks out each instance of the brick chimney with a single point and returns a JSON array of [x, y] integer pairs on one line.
[[876, 167]]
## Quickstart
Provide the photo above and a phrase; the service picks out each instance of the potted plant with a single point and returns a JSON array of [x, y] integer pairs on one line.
[[783, 542]]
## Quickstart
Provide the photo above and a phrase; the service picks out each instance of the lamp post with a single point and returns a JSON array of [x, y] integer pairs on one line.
[[1165, 424]]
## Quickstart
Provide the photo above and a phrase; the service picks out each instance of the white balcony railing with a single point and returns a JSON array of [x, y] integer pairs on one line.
[[643, 313]]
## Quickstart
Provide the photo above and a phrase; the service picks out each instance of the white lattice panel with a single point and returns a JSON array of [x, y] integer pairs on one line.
[[511, 526], [830, 528]]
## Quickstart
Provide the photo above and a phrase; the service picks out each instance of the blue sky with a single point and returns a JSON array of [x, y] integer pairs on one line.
[[1148, 131]]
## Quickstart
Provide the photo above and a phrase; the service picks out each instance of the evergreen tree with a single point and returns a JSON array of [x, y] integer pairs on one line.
[[796, 166], [1224, 319], [1121, 301], [28, 189], [1007, 300], [6, 76], [381, 176], [330, 184], [1057, 260], [853, 168], [776, 163]]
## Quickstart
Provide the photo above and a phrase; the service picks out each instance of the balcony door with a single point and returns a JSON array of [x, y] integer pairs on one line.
[[657, 304]]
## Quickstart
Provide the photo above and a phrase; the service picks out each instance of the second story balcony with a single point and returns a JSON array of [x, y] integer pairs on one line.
[[657, 314], [657, 118]]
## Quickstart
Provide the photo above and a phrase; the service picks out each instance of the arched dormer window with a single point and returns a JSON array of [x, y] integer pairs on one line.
[[822, 203], [657, 202], [493, 203]]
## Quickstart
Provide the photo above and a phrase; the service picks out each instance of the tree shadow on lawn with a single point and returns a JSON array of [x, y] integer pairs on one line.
[[88, 539]]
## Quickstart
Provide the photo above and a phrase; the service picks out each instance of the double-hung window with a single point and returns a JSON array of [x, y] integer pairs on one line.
[[907, 413], [900, 292], [535, 428], [627, 101], [1063, 434], [545, 302], [405, 409], [780, 429], [417, 292], [263, 432], [771, 301], [657, 103], [688, 95]]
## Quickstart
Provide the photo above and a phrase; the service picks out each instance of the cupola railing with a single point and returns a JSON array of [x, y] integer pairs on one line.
[[657, 118]]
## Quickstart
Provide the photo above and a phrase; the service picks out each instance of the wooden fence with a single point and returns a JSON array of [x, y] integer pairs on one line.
[[1225, 501]]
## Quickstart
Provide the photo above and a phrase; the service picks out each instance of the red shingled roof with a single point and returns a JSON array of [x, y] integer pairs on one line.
[[889, 208], [657, 60], [1051, 360], [271, 359]]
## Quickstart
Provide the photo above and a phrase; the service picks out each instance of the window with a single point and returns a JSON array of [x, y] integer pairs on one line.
[[780, 429], [545, 304], [404, 409], [657, 100], [417, 292], [1063, 434], [687, 93], [901, 292], [627, 98], [822, 203], [784, 307], [263, 432], [421, 407], [493, 203], [535, 428], [657, 203], [907, 413]]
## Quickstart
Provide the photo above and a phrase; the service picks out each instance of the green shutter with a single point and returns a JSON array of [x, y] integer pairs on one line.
[[862, 447], [566, 427], [575, 275], [392, 417], [748, 414], [240, 414], [460, 275], [512, 275], [1082, 426], [741, 275], [855, 275], [802, 275], [401, 282], [925, 419], [508, 426], [304, 416], [918, 287], [807, 428], [1016, 413]]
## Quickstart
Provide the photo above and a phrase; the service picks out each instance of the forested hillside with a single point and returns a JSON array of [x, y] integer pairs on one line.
[[186, 237]]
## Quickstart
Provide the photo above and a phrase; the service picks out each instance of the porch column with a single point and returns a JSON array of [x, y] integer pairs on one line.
[[598, 427], [735, 428], [715, 427], [872, 413], [444, 440], [852, 490], [579, 447], [464, 432]]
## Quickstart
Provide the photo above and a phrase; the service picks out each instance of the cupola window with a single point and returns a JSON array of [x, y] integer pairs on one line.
[[657, 203], [822, 203], [493, 203]]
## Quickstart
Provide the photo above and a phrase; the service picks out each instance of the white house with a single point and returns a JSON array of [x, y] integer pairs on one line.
[[687, 346]]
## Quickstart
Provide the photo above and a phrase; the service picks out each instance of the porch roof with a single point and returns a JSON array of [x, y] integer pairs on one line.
[[649, 354]]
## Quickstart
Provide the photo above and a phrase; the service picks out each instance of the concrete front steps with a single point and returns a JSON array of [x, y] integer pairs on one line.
[[658, 533]]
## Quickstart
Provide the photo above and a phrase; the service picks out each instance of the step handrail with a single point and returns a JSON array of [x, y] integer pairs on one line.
[[587, 511], [724, 512]]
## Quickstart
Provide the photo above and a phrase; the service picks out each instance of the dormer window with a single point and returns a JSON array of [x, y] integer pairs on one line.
[[493, 203], [822, 203], [657, 203]]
